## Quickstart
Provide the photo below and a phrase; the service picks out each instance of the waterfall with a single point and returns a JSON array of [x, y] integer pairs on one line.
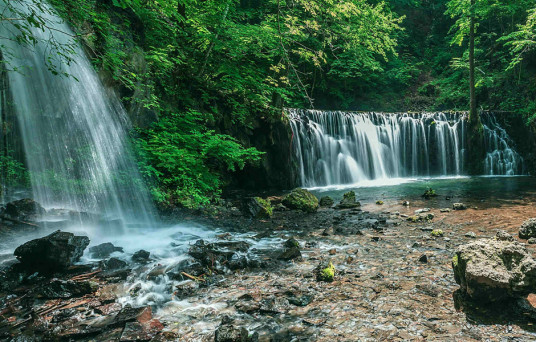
[[334, 147], [74, 134]]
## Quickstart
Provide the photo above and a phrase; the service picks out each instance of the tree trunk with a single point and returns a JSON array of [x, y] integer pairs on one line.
[[473, 115], [475, 133]]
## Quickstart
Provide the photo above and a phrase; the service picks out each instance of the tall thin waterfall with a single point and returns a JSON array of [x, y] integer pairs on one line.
[[334, 147], [74, 134]]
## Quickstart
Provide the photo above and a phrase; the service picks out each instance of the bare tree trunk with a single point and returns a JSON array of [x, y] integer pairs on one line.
[[473, 115], [475, 139]]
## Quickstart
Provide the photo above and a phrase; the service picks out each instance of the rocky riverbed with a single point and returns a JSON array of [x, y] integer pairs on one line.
[[266, 279]]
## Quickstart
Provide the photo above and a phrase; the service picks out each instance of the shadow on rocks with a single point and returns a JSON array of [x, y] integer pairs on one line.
[[511, 311]]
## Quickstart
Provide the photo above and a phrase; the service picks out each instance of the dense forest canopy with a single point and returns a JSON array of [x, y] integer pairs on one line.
[[194, 73]]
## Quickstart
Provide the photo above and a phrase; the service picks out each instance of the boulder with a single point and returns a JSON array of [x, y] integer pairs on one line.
[[103, 250], [326, 201], [141, 256], [210, 254], [348, 201], [114, 264], [459, 206], [24, 209], [56, 251], [528, 229], [257, 207], [301, 199], [491, 270]]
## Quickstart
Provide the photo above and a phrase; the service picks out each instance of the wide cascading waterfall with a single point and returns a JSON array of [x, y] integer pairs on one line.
[[334, 147], [74, 134]]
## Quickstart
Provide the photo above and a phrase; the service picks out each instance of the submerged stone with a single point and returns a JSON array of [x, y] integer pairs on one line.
[[56, 251], [301, 199]]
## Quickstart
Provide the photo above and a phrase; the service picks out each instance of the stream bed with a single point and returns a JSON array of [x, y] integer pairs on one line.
[[393, 279]]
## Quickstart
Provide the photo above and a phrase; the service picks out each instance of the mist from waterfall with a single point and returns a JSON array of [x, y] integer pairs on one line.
[[74, 133], [335, 147]]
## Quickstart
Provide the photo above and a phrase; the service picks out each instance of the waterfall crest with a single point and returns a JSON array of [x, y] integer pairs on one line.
[[74, 134], [334, 147]]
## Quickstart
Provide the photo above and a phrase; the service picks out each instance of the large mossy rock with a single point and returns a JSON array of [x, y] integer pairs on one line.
[[528, 229], [56, 251], [491, 270], [257, 207], [301, 199], [348, 201]]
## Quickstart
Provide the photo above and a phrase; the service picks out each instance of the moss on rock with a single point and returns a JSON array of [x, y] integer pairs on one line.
[[301, 199]]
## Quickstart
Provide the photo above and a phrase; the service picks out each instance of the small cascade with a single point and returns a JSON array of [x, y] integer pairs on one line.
[[74, 135], [334, 147], [501, 158]]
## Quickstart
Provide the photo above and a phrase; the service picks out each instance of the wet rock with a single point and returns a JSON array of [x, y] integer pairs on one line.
[[348, 201], [292, 242], [104, 250], [24, 209], [405, 203], [258, 208], [493, 270], [186, 288], [129, 314], [302, 300], [328, 231], [528, 229], [325, 271], [210, 254], [274, 304], [290, 254], [58, 288], [459, 206], [141, 256], [135, 331], [114, 264], [531, 241], [326, 201], [301, 199], [504, 236], [227, 332], [188, 266], [471, 235], [56, 251]]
